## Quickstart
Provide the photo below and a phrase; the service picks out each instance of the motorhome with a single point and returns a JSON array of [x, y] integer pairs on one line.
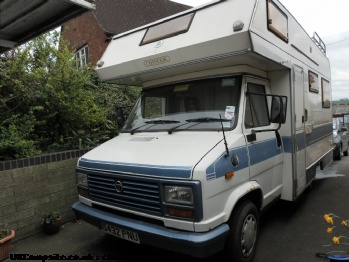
[[234, 114]]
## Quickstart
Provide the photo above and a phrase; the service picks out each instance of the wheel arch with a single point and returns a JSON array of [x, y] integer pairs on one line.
[[249, 191]]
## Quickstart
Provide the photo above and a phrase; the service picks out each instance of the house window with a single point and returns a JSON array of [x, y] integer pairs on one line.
[[326, 93], [277, 21], [81, 56], [256, 110], [313, 82]]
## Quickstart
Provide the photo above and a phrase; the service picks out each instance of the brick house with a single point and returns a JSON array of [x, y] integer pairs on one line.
[[90, 33]]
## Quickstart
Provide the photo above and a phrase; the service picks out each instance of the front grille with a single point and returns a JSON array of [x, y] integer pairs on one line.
[[140, 195]]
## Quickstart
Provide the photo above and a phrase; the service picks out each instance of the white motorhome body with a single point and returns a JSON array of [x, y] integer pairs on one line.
[[206, 172]]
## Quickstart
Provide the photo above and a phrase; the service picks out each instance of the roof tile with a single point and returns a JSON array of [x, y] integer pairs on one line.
[[118, 16]]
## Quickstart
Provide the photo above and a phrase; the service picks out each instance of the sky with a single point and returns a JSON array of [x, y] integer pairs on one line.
[[330, 20]]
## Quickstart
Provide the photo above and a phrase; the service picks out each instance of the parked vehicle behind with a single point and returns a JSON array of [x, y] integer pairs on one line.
[[340, 139]]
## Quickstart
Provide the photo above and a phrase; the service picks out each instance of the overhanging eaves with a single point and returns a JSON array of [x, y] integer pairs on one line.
[[23, 20]]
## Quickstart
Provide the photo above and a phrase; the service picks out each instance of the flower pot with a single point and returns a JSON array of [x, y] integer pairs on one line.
[[5, 246], [52, 228]]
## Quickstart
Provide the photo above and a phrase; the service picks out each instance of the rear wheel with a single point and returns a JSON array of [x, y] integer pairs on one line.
[[244, 227]]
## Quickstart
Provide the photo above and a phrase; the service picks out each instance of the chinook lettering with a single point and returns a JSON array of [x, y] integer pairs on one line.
[[157, 61]]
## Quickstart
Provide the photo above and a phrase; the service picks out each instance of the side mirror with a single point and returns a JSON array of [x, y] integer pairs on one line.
[[278, 109], [120, 118]]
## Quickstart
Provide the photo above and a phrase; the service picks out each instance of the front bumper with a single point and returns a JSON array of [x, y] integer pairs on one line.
[[191, 243]]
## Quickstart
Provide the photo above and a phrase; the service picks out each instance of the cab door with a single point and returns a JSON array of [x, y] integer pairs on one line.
[[264, 152]]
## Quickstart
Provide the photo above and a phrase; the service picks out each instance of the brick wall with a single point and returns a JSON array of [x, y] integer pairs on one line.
[[84, 30], [31, 186]]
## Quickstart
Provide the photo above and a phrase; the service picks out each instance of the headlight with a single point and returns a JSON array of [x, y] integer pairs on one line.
[[81, 179], [179, 195]]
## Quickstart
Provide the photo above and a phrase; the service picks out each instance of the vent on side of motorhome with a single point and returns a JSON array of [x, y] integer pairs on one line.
[[170, 28]]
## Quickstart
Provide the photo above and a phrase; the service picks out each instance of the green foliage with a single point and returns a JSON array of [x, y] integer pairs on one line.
[[51, 217], [4, 233], [15, 137], [48, 104]]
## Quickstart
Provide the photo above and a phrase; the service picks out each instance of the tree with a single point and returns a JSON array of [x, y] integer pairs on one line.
[[47, 103]]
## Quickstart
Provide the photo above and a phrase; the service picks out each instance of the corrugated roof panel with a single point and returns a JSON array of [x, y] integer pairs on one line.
[[22, 20]]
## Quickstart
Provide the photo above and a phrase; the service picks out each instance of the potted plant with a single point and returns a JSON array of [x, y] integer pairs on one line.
[[5, 243], [51, 222]]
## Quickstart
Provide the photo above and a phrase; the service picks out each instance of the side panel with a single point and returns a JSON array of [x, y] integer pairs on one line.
[[318, 125]]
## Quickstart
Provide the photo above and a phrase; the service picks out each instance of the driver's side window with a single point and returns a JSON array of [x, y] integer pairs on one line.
[[256, 109]]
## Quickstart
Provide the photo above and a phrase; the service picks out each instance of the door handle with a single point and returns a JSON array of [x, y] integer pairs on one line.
[[251, 137]]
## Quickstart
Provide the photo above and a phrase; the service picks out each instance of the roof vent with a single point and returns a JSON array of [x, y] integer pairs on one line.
[[238, 25]]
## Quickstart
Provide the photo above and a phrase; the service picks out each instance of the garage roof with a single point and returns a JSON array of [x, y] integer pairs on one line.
[[22, 20]]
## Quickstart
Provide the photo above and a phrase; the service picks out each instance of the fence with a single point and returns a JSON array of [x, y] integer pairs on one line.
[[29, 187]]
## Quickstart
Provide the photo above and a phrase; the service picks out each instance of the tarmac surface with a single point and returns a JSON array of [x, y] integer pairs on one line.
[[289, 231]]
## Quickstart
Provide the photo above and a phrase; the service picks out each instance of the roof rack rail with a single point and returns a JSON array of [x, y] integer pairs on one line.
[[318, 41]]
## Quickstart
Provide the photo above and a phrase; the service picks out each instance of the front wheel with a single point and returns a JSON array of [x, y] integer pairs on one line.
[[244, 227]]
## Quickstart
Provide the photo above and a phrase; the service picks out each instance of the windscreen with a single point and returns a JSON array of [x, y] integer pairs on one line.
[[196, 105]]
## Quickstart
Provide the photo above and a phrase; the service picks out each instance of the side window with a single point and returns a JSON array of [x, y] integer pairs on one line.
[[256, 110], [326, 93], [313, 82], [277, 21]]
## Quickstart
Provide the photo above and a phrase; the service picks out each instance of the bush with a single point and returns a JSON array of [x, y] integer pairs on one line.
[[48, 104]]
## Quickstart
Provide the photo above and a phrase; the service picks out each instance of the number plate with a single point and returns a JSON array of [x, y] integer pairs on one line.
[[121, 233]]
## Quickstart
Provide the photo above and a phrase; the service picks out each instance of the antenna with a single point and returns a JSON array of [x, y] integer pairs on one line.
[[225, 141]]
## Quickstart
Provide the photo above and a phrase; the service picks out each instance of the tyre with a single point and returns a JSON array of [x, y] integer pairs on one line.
[[241, 243], [339, 157]]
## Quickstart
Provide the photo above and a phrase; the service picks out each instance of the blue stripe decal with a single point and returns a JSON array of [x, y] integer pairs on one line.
[[319, 133], [300, 137], [263, 151], [259, 152], [303, 140], [287, 144], [151, 170], [223, 164]]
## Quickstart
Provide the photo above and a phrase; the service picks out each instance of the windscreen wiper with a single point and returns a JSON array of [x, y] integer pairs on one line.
[[135, 129], [174, 128], [207, 120]]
